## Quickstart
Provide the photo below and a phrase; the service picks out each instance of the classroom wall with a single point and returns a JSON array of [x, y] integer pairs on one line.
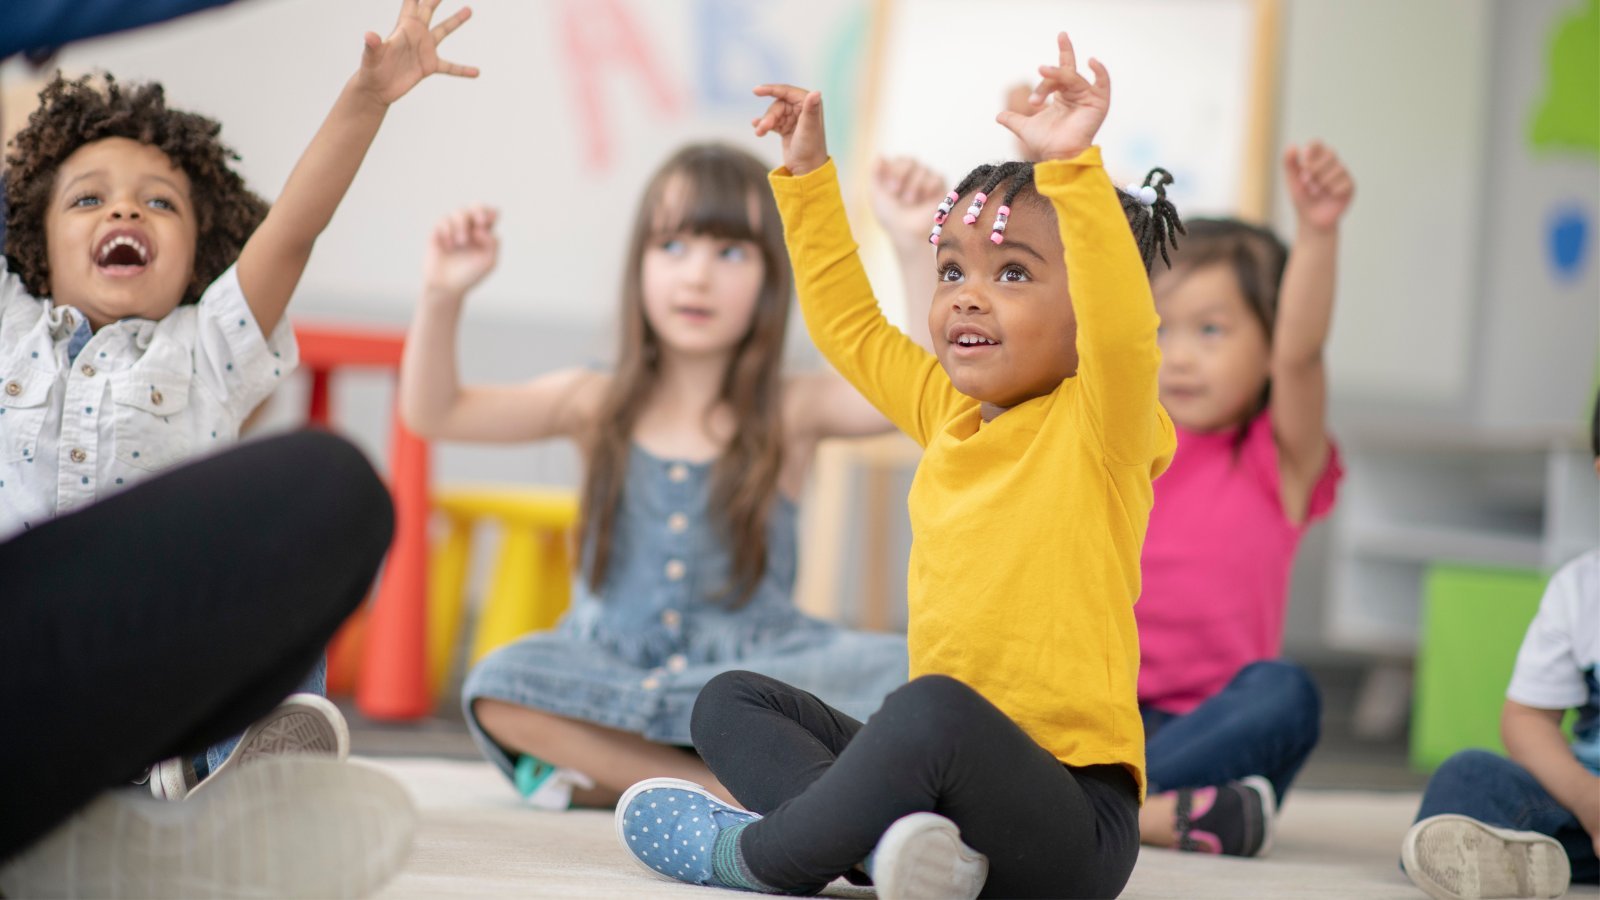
[[578, 101], [581, 98]]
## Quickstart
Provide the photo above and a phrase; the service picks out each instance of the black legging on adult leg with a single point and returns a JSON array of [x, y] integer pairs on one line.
[[828, 786], [172, 615]]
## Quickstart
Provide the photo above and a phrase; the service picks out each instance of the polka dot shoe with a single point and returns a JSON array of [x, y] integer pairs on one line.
[[670, 827]]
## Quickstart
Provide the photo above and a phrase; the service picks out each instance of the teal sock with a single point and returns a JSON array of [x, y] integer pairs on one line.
[[728, 865]]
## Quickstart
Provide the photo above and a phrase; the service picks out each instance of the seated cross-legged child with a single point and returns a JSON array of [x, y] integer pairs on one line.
[[1243, 323], [1529, 825], [696, 445], [1013, 762], [142, 301]]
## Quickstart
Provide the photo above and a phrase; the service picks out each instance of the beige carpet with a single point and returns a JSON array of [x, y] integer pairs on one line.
[[476, 840]]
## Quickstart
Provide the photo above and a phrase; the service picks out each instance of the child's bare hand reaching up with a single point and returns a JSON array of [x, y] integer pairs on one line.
[[1319, 185], [392, 66], [272, 261], [462, 250], [796, 115], [1068, 108], [904, 193]]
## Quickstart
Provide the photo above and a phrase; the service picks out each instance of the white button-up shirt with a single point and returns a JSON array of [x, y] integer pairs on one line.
[[139, 397]]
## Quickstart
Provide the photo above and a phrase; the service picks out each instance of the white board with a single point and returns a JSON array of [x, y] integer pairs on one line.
[[1184, 79]]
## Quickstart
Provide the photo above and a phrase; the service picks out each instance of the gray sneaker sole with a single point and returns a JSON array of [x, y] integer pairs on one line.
[[302, 724], [286, 827], [1459, 858]]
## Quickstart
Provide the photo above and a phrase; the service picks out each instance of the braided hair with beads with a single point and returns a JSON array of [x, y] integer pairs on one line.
[[1155, 223]]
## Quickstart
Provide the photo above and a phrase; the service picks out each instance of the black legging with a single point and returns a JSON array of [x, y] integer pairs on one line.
[[829, 786], [172, 615]]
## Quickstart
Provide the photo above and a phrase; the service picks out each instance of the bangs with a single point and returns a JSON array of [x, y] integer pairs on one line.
[[710, 198]]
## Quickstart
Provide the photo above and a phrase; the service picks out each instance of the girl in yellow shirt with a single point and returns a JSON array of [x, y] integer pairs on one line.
[[1013, 762]]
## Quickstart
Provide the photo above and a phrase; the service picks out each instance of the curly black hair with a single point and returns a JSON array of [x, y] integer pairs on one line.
[[76, 112]]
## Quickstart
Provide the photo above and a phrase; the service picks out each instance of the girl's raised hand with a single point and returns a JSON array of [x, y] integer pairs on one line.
[[904, 195], [796, 114], [392, 66], [461, 251], [1319, 184], [1068, 108]]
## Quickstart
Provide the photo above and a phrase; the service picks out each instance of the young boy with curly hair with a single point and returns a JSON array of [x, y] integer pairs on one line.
[[142, 300]]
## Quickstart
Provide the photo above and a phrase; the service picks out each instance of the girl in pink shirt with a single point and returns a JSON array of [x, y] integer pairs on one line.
[[1227, 724]]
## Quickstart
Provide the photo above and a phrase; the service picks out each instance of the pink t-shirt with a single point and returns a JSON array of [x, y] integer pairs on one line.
[[1216, 564]]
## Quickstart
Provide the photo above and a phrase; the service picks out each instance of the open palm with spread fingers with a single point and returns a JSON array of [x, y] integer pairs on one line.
[[796, 115], [393, 65], [1068, 108]]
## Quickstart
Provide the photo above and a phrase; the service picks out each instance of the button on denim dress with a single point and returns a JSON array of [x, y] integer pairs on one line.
[[634, 655]]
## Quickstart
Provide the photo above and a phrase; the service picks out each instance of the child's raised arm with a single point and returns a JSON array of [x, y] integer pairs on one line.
[[1118, 362], [904, 194], [903, 381], [462, 251], [1321, 189], [273, 259]]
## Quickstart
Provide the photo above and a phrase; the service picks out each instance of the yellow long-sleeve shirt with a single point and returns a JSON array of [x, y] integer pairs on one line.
[[1026, 531]]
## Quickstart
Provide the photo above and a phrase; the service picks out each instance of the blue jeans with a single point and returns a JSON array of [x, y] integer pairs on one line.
[[1496, 791], [1265, 722], [217, 754]]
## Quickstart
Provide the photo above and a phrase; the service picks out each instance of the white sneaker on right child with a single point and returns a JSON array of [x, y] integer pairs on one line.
[[1454, 857], [921, 857], [305, 724]]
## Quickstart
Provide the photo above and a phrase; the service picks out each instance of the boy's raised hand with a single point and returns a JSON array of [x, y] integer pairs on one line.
[[1319, 184], [392, 66], [1068, 108], [462, 250], [796, 114]]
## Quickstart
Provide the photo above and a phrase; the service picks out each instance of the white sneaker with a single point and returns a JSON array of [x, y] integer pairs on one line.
[[1459, 858], [921, 857], [545, 786], [287, 827], [304, 724]]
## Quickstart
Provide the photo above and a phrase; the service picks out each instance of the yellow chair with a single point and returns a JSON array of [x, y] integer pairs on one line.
[[532, 578]]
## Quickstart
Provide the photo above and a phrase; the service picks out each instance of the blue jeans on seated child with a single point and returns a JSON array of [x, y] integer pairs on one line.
[[217, 754], [1265, 722], [1496, 791]]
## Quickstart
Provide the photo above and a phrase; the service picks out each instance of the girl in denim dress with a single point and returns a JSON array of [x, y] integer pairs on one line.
[[695, 445]]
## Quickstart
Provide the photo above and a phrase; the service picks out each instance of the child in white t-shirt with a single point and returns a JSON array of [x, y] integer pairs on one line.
[[1526, 826]]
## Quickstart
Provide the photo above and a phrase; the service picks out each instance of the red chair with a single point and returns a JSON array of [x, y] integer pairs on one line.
[[385, 644]]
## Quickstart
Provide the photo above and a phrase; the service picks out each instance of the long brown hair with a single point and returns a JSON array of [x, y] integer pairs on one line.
[[719, 188]]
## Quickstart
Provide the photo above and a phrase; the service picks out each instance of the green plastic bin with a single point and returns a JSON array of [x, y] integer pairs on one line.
[[1473, 620]]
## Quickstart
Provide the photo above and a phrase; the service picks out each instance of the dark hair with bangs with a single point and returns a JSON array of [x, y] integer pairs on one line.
[[74, 113], [1257, 258], [717, 189]]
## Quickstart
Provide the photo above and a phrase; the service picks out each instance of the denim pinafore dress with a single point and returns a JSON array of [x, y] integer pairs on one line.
[[635, 654]]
